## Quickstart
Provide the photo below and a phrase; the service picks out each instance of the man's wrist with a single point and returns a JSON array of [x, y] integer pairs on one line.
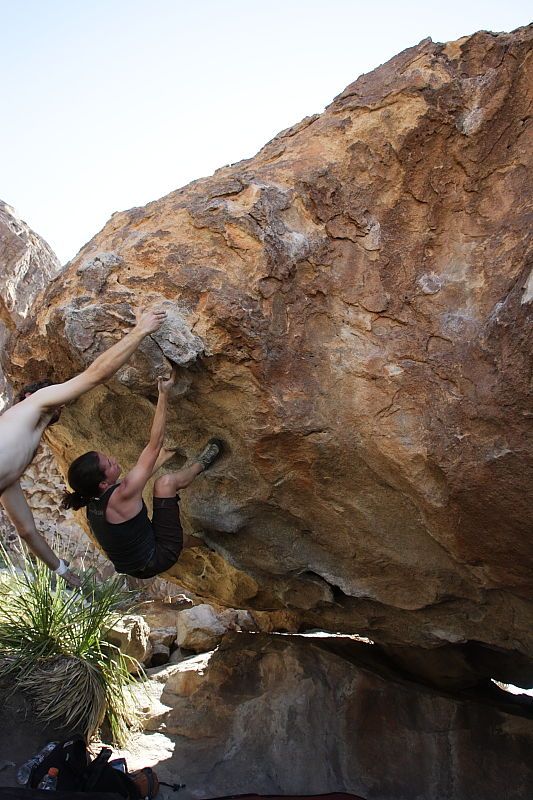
[[138, 332], [61, 568]]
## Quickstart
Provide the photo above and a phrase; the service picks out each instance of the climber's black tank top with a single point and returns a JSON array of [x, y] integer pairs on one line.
[[129, 545]]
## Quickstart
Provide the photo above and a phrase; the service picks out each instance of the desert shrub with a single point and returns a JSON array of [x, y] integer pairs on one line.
[[53, 647]]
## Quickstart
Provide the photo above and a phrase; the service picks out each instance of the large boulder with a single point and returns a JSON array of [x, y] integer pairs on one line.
[[277, 715], [349, 310]]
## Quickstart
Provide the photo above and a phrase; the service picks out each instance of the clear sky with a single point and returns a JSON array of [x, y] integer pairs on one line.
[[108, 104]]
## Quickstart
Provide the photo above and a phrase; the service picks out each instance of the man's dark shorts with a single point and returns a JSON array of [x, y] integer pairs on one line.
[[168, 535]]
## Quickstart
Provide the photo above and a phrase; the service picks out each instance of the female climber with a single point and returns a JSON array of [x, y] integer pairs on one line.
[[116, 511]]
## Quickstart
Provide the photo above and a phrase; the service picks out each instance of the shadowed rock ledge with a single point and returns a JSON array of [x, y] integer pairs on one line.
[[282, 715]]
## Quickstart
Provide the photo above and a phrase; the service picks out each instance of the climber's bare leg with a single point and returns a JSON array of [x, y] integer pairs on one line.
[[169, 486], [165, 454]]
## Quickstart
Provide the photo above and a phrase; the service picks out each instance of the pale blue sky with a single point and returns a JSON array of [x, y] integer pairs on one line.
[[108, 104]]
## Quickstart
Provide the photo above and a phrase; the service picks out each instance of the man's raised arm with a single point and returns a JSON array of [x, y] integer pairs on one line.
[[103, 367]]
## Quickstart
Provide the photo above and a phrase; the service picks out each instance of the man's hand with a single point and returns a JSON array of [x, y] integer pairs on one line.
[[73, 580], [150, 320], [164, 385]]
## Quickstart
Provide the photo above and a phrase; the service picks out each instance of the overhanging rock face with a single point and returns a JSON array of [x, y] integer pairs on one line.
[[349, 311]]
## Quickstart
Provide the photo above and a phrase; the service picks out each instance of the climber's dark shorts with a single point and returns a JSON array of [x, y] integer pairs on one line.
[[168, 535]]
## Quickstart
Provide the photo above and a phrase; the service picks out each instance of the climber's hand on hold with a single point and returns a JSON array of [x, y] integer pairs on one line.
[[150, 320], [164, 385]]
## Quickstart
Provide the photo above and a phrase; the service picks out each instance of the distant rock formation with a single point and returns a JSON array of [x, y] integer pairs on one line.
[[350, 312], [27, 264]]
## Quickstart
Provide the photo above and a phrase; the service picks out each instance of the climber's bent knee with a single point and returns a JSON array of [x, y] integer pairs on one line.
[[165, 486]]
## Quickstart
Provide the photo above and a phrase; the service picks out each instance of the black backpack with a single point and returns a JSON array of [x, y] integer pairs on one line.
[[77, 773]]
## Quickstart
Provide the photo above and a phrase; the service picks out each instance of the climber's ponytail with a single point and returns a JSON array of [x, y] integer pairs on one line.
[[74, 500], [85, 476]]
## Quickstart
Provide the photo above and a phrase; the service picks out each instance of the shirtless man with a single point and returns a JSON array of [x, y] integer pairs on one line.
[[22, 426]]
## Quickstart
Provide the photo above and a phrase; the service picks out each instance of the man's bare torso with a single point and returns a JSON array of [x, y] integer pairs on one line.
[[21, 428]]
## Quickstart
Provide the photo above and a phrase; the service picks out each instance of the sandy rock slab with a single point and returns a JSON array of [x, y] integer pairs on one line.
[[131, 635], [201, 628], [275, 715]]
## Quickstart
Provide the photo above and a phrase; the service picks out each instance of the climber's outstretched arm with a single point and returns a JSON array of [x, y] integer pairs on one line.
[[134, 482]]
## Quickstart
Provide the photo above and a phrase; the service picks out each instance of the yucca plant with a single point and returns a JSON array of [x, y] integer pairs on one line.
[[52, 646]]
